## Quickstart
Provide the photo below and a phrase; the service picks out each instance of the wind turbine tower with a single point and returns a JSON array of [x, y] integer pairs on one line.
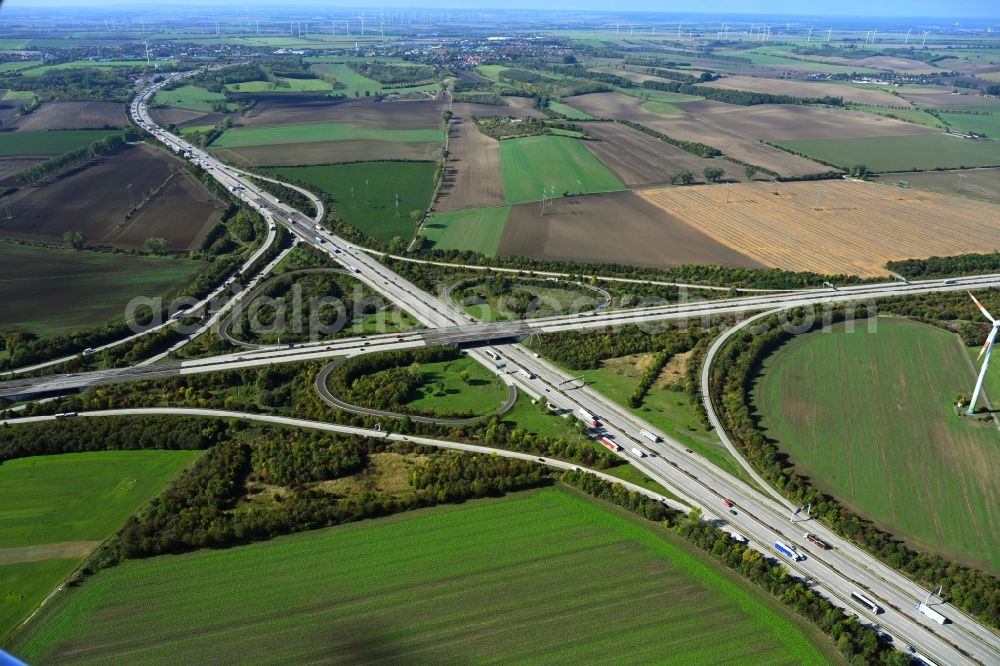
[[907, 40], [829, 32], [809, 38], [987, 350]]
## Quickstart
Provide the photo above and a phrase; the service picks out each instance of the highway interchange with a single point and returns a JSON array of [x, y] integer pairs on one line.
[[764, 519]]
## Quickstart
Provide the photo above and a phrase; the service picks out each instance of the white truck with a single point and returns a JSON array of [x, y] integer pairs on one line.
[[639, 453], [524, 373], [650, 436], [924, 609]]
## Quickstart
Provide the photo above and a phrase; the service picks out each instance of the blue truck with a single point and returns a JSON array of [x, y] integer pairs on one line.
[[787, 551]]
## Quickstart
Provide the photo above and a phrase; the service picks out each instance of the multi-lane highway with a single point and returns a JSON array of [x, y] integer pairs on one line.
[[836, 573]]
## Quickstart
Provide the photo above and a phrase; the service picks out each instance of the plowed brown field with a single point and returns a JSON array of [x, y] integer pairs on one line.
[[833, 226], [640, 160], [73, 115], [95, 200], [421, 114], [688, 128], [612, 228]]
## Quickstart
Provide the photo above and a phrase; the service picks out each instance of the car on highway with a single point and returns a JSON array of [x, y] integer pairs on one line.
[[728, 502]]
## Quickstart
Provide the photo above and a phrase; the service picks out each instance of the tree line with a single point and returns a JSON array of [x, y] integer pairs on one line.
[[75, 158], [739, 97], [731, 379]]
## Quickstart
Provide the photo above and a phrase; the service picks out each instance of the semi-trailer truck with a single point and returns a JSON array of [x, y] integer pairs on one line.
[[639, 453], [816, 541], [589, 418], [650, 436], [787, 551], [524, 373], [610, 443], [931, 613]]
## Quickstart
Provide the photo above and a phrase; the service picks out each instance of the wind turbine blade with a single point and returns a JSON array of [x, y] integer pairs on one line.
[[981, 308], [989, 342]]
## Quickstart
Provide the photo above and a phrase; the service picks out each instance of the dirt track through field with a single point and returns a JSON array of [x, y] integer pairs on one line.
[[612, 228], [73, 115], [833, 226], [47, 551], [472, 170], [806, 89], [689, 128], [640, 160]]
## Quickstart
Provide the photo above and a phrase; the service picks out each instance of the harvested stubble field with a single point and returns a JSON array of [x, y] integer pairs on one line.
[[973, 183], [941, 98], [536, 575], [270, 110], [612, 228], [472, 169], [688, 128], [54, 510], [806, 89], [74, 115], [641, 160], [901, 457], [50, 291], [523, 107], [856, 228], [95, 200]]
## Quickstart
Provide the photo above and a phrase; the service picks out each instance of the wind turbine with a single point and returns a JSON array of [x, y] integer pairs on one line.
[[987, 350]]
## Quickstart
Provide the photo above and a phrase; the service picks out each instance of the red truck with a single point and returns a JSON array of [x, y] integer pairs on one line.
[[816, 541], [610, 443]]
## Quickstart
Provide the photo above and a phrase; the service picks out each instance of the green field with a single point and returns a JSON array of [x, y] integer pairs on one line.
[[569, 111], [365, 193], [531, 164], [281, 84], [478, 230], [50, 291], [16, 65], [869, 418], [987, 125], [491, 71], [266, 136], [445, 394], [538, 576], [917, 116], [74, 497], [349, 82], [189, 97], [96, 64], [901, 153], [52, 142]]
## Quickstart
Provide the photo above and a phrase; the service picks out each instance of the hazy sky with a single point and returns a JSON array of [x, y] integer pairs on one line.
[[904, 8]]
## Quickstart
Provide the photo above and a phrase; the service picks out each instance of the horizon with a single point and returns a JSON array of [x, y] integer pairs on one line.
[[858, 9]]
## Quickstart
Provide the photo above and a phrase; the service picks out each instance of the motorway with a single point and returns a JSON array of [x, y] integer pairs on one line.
[[835, 573]]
